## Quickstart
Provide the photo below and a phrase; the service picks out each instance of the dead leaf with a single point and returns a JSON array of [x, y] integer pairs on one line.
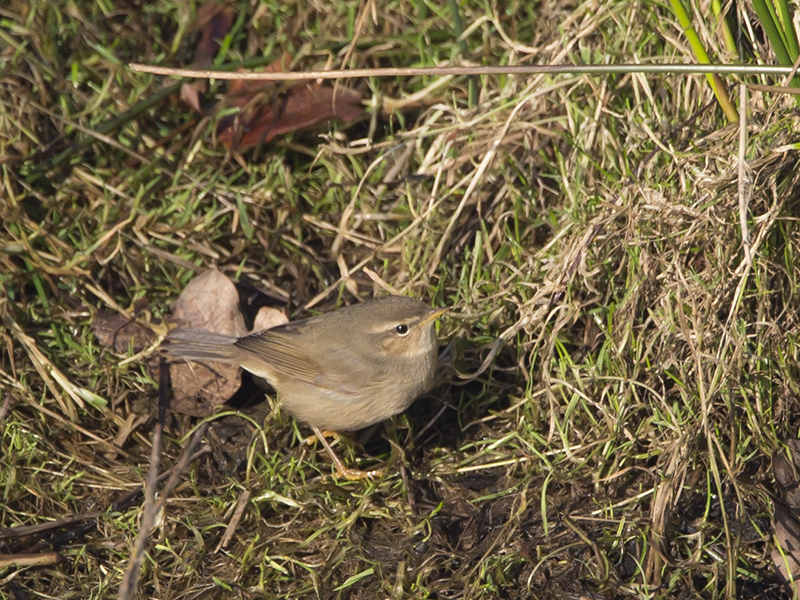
[[190, 93], [786, 520], [199, 388], [299, 107], [267, 318], [266, 114], [210, 302], [214, 20], [116, 331]]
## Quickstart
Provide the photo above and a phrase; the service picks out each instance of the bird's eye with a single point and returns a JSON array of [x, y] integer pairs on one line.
[[401, 329]]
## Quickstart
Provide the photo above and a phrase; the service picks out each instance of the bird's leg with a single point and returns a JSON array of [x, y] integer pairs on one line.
[[346, 472]]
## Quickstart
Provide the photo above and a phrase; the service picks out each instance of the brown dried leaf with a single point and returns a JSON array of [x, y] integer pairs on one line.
[[786, 520], [190, 94], [199, 388], [299, 107], [210, 302], [118, 332], [214, 20], [267, 318]]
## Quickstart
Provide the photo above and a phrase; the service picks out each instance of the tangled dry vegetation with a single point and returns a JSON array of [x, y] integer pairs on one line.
[[617, 377]]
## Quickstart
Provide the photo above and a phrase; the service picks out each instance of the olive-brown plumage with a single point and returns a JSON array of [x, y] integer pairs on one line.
[[341, 371]]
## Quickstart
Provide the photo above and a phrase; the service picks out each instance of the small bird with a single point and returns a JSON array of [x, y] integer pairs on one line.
[[341, 371]]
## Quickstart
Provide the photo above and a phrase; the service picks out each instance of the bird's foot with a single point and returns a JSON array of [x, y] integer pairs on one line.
[[357, 474], [343, 471], [318, 435]]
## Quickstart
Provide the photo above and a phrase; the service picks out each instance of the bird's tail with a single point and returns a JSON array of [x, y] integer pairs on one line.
[[197, 344]]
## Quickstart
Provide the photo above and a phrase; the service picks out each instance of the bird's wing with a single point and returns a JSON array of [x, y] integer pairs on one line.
[[340, 370], [279, 352]]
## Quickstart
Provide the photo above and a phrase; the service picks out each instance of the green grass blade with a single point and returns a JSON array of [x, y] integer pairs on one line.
[[702, 57]]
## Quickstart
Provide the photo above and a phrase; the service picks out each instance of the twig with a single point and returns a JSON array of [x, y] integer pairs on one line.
[[28, 560], [189, 455], [25, 530], [667, 69], [127, 589], [233, 524]]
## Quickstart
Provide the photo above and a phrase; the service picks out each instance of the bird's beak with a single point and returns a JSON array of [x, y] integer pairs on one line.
[[434, 314]]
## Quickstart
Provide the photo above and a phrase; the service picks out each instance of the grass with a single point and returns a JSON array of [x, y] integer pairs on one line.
[[638, 373]]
